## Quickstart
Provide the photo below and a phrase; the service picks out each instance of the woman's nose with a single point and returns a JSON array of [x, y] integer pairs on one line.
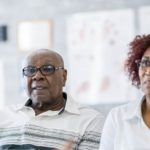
[[147, 71]]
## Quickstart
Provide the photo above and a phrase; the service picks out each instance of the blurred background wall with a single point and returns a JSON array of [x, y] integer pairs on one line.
[[13, 12]]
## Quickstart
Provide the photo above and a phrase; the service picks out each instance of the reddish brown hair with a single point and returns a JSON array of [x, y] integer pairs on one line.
[[136, 50]]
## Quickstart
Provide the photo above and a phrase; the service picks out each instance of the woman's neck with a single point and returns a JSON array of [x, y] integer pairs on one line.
[[146, 111]]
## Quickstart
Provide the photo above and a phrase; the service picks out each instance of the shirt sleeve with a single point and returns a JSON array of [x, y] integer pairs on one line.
[[92, 135], [108, 134]]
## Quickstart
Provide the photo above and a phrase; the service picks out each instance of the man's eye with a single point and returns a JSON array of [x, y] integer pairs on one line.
[[31, 70], [48, 69]]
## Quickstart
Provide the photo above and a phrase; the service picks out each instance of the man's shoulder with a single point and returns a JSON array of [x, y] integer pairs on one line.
[[11, 107], [83, 109], [89, 112], [87, 109]]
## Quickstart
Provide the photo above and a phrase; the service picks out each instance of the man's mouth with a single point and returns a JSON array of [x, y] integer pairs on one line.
[[38, 88]]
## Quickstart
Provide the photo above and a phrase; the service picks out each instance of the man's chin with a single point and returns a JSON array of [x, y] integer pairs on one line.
[[40, 98]]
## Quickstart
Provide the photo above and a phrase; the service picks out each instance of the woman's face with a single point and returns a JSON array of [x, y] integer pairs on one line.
[[144, 72]]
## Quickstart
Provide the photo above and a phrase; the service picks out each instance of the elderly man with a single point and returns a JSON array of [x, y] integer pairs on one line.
[[50, 117]]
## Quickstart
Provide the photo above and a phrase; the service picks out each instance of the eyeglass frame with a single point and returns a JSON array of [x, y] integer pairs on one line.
[[39, 69]]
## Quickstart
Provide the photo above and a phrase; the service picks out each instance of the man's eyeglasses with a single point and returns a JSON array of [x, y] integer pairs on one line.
[[143, 63], [45, 70]]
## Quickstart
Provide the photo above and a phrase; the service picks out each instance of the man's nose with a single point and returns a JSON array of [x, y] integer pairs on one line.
[[38, 75]]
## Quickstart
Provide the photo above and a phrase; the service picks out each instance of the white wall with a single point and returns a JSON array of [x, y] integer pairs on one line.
[[11, 13]]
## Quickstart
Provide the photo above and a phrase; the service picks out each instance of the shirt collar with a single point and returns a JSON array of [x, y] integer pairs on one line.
[[134, 110], [71, 106]]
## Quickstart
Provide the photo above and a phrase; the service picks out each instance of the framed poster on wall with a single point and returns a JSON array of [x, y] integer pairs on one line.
[[97, 48], [34, 34]]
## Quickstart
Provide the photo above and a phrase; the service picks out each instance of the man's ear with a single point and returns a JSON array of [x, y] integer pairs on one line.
[[64, 77]]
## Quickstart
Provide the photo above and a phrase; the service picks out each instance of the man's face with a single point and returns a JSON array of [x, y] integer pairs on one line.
[[45, 88]]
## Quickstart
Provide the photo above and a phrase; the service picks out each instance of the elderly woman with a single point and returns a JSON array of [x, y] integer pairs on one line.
[[127, 127]]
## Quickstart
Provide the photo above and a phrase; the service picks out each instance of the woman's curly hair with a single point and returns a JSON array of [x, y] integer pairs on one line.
[[136, 50]]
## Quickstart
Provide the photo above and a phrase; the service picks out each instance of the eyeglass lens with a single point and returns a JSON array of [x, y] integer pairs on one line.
[[144, 63], [45, 70]]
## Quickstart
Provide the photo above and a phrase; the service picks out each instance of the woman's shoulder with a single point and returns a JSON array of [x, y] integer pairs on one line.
[[124, 110]]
